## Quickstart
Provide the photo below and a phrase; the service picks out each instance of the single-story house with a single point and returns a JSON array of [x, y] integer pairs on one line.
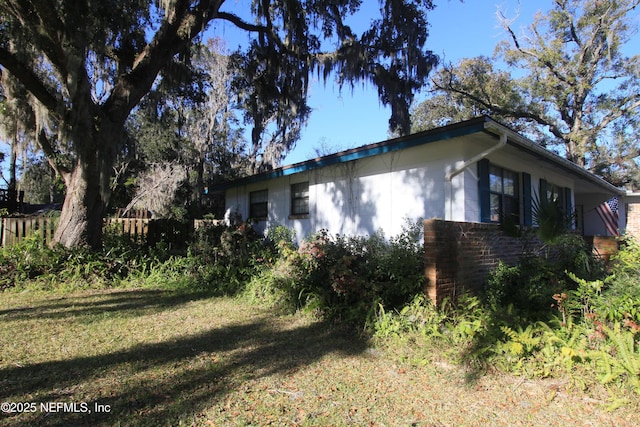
[[465, 172]]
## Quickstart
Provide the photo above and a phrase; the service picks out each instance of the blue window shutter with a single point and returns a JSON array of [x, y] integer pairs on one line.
[[568, 206], [526, 199], [483, 190]]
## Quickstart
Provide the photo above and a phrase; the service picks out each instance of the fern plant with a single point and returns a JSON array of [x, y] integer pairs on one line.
[[519, 342], [622, 361], [420, 316], [568, 341]]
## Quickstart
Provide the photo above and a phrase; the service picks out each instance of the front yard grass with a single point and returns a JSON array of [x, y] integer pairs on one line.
[[157, 357]]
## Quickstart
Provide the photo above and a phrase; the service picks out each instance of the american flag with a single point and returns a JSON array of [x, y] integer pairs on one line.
[[608, 211]]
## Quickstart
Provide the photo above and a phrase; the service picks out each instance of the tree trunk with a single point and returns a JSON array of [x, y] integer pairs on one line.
[[88, 190], [80, 223], [199, 187]]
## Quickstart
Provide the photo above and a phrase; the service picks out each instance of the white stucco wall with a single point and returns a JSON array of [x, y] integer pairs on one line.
[[362, 196]]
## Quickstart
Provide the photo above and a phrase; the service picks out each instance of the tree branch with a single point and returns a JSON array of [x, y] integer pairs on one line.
[[572, 27], [243, 25], [617, 113], [182, 24], [51, 155], [515, 113], [45, 26], [550, 66], [30, 80]]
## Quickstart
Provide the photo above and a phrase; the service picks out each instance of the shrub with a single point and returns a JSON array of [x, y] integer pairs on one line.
[[419, 316], [274, 288], [26, 260], [554, 314], [530, 286], [226, 258], [280, 236], [615, 298], [32, 264], [344, 277], [621, 295]]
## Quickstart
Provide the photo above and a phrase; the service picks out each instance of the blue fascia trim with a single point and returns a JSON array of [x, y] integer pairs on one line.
[[568, 167], [401, 143]]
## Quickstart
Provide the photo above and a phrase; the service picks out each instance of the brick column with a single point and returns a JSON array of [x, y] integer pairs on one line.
[[440, 248], [633, 220], [460, 255]]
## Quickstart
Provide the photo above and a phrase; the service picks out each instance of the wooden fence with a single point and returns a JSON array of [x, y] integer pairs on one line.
[[151, 231], [136, 228], [140, 230], [15, 229]]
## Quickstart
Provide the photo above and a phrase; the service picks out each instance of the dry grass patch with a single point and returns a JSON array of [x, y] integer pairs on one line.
[[162, 358]]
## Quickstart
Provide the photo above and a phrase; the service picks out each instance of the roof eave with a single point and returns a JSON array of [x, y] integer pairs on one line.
[[519, 141], [446, 132], [479, 124]]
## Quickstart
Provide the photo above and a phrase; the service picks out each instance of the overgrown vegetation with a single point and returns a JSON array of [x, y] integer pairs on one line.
[[560, 316], [558, 313], [215, 259], [343, 277]]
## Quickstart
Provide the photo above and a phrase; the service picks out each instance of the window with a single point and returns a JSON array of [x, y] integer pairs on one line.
[[503, 189], [258, 204], [300, 199], [561, 196], [553, 192], [503, 194]]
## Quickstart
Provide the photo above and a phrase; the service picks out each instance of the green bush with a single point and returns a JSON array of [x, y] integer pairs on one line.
[[621, 295], [26, 260], [280, 236], [616, 298], [344, 277], [554, 314], [530, 285], [227, 258], [273, 288], [31, 263]]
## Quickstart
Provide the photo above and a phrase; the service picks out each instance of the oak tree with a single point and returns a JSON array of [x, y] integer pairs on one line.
[[86, 64], [567, 83]]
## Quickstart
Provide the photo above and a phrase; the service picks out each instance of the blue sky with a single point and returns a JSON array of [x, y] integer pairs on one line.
[[354, 118], [348, 119], [458, 30]]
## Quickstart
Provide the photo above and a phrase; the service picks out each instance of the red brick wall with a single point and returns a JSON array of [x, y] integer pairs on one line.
[[633, 220], [459, 255], [603, 246]]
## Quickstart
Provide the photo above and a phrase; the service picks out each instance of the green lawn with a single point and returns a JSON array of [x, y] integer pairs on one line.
[[152, 357]]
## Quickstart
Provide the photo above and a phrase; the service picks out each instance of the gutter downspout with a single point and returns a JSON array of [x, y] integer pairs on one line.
[[449, 175]]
